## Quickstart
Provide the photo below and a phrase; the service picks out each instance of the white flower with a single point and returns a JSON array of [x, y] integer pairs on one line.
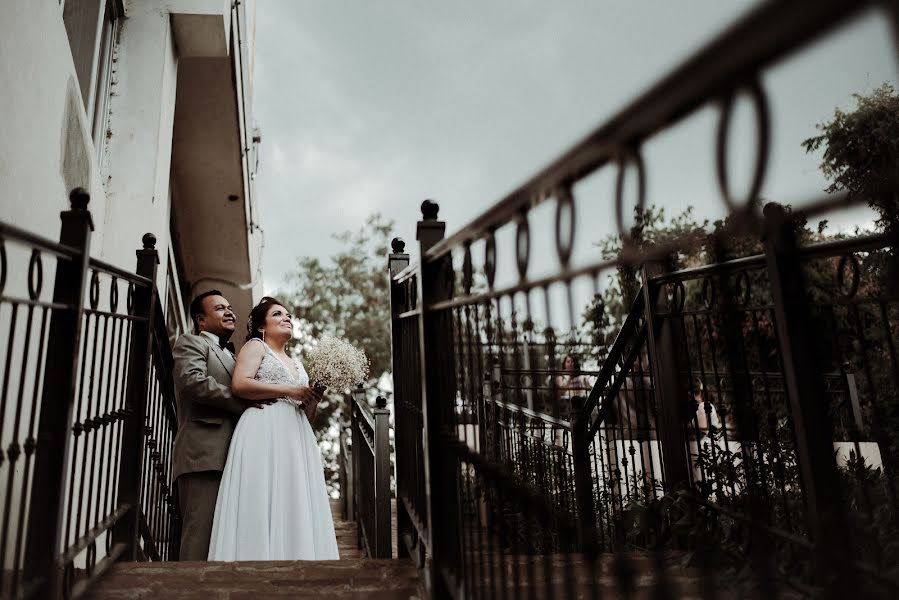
[[336, 364]]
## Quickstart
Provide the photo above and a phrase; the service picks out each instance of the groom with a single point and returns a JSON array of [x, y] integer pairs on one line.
[[207, 414]]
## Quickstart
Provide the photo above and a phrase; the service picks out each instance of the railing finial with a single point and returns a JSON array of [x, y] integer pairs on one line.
[[429, 230], [381, 402], [149, 241], [79, 198], [773, 209], [398, 259], [429, 210]]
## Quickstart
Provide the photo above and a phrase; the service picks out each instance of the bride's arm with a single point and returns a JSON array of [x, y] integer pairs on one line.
[[245, 384]]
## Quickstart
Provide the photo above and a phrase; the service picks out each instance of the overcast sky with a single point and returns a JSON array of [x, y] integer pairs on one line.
[[374, 106]]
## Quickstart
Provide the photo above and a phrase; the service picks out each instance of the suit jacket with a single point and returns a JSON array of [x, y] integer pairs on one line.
[[207, 410]]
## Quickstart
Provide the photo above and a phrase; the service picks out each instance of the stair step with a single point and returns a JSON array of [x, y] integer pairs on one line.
[[350, 578]]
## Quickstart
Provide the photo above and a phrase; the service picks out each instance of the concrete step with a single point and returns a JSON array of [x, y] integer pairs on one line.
[[343, 579], [353, 577]]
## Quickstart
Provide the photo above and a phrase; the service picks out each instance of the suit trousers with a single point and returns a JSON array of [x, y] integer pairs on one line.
[[197, 493]]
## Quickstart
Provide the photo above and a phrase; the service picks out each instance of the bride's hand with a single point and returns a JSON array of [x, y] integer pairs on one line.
[[308, 396]]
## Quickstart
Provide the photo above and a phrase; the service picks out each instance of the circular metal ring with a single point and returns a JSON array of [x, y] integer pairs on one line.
[[95, 290], [677, 298], [852, 261], [564, 208], [467, 271], [35, 275], [490, 258], [743, 288], [709, 292], [129, 300], [2, 265], [763, 123], [627, 157], [523, 245], [114, 294]]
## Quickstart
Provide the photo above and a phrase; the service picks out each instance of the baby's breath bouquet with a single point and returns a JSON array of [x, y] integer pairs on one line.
[[335, 364]]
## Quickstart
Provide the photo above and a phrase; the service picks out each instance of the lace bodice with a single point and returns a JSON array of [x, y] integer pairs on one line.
[[272, 370]]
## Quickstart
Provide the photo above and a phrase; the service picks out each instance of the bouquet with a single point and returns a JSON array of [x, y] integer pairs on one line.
[[336, 364]]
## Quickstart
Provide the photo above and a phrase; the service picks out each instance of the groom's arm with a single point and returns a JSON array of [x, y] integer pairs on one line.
[[192, 378]]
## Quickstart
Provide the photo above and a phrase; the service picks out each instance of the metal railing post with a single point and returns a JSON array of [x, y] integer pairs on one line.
[[383, 543], [41, 572], [398, 260], [355, 455], [438, 387], [583, 478], [666, 343], [345, 500], [127, 530], [812, 426]]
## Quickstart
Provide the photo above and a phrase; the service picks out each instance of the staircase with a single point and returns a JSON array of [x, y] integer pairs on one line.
[[350, 578]]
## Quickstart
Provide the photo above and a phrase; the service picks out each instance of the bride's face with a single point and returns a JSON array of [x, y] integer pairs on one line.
[[278, 320]]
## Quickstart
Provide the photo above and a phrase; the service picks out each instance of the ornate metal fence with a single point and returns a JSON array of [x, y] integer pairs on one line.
[[86, 400], [743, 422]]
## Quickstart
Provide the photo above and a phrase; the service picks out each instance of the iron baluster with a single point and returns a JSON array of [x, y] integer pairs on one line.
[[438, 400], [127, 530], [57, 402], [811, 424], [381, 474]]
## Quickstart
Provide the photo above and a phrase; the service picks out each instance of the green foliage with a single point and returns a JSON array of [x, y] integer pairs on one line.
[[346, 297], [650, 229], [861, 150]]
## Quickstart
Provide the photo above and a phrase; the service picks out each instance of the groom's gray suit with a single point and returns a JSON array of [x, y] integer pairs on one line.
[[207, 414]]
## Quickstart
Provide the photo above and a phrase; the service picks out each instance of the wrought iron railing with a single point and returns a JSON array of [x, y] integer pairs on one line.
[[86, 376], [711, 426], [365, 473], [741, 424]]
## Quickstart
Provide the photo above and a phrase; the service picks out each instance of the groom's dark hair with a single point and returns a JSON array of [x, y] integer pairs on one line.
[[196, 307]]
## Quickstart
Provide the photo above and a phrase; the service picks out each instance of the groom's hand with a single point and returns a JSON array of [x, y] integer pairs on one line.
[[257, 403]]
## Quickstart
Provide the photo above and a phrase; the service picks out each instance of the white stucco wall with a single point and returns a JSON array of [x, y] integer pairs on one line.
[[138, 154], [46, 147]]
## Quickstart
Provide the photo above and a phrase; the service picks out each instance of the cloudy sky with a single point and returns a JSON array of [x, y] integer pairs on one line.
[[374, 106]]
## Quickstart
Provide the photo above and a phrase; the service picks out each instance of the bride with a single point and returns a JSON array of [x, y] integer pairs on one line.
[[272, 502]]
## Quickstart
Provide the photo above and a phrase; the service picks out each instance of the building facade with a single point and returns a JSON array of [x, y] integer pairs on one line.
[[147, 105]]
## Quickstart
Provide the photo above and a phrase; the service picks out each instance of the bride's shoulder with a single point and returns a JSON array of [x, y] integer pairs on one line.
[[252, 349]]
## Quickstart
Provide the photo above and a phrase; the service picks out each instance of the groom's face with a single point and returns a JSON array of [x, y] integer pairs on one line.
[[217, 316]]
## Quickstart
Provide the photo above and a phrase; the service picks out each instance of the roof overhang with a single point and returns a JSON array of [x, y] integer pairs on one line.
[[208, 174]]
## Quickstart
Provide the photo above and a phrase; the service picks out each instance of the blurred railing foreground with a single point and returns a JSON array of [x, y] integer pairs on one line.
[[738, 419]]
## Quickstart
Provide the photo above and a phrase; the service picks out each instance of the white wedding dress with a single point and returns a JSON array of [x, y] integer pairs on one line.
[[272, 502]]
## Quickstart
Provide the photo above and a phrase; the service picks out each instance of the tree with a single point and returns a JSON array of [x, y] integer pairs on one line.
[[861, 156], [861, 151], [345, 297]]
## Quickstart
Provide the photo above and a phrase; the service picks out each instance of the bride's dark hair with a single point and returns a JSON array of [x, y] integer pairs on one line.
[[258, 314]]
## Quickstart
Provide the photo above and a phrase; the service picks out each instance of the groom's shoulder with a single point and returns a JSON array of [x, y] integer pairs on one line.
[[189, 340]]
